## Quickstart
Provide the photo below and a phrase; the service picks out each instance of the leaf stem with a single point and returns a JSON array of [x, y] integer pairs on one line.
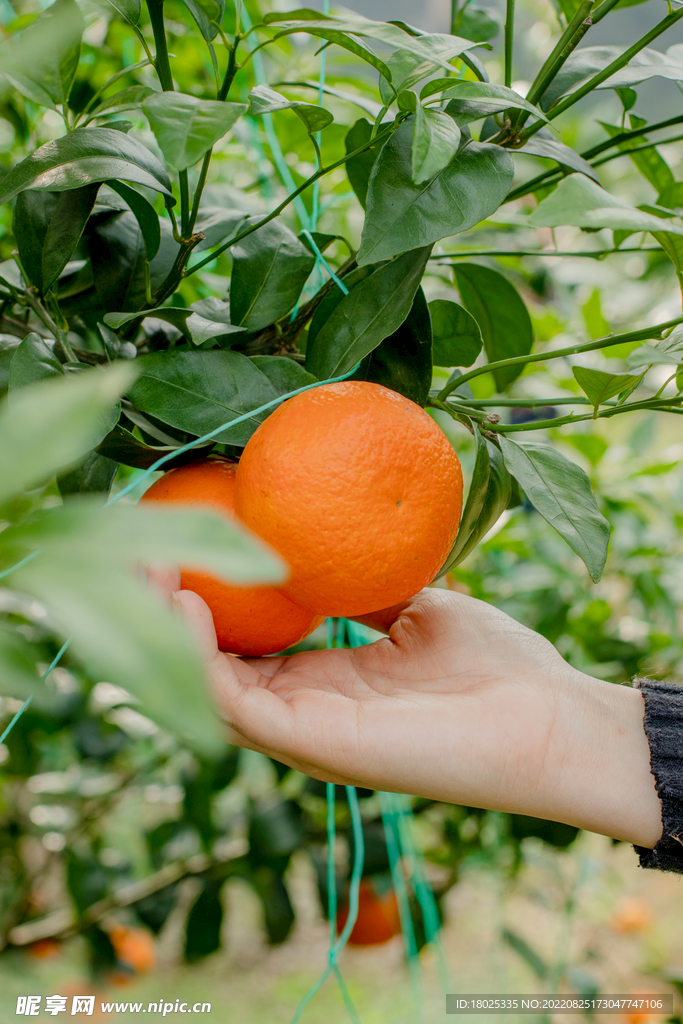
[[231, 69], [558, 421], [285, 202], [184, 184], [198, 190], [554, 174], [162, 63], [592, 253], [558, 108], [615, 339], [509, 39], [568, 41], [528, 403], [60, 337]]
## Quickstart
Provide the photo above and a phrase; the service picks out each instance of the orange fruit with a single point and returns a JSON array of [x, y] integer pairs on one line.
[[134, 948], [360, 492], [44, 949], [631, 914], [251, 621], [378, 918]]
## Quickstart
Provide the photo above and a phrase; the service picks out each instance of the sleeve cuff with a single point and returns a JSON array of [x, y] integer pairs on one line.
[[663, 724]]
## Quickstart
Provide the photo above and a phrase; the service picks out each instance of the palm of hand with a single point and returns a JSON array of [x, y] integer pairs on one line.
[[454, 677]]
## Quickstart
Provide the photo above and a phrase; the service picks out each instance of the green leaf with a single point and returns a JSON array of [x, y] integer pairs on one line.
[[406, 69], [130, 9], [264, 100], [270, 267], [94, 475], [600, 386], [19, 678], [585, 62], [649, 162], [144, 213], [48, 227], [457, 338], [668, 352], [673, 247], [186, 127], [284, 374], [331, 300], [86, 155], [501, 314], [403, 361], [671, 197], [479, 99], [402, 215], [208, 14], [42, 63], [477, 24], [198, 391], [583, 204], [561, 492], [204, 921], [131, 98], [196, 328], [373, 310], [544, 145], [118, 255], [488, 497], [436, 138], [359, 168], [433, 48], [121, 446], [52, 424], [122, 631], [8, 347], [217, 224], [32, 361]]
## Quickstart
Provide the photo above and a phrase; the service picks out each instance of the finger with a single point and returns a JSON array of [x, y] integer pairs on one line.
[[164, 578], [314, 771], [196, 613], [383, 619], [240, 691]]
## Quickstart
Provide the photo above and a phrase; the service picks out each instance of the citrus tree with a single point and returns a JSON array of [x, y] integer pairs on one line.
[[259, 223]]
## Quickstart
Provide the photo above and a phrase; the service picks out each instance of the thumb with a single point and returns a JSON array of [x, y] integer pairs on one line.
[[196, 613]]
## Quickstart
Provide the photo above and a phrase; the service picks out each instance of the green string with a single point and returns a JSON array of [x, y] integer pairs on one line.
[[396, 866], [46, 673], [269, 129], [354, 888], [18, 565], [213, 433], [397, 817]]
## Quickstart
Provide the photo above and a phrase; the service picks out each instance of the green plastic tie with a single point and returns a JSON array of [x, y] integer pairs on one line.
[[224, 426], [53, 664]]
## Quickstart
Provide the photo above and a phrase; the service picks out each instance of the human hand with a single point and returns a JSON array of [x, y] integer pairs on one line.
[[459, 703]]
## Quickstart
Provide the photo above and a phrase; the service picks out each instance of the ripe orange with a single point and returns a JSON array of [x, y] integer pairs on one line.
[[378, 918], [632, 914], [360, 492], [134, 948], [44, 949], [252, 621]]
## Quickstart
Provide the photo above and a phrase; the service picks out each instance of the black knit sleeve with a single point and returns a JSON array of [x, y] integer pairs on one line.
[[664, 729]]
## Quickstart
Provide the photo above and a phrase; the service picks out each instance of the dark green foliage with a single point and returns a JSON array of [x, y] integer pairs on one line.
[[403, 361], [48, 227], [203, 929], [501, 314]]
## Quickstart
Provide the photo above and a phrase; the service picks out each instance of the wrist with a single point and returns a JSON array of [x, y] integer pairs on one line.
[[601, 779]]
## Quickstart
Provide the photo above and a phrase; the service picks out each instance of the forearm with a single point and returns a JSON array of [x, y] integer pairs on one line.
[[599, 763]]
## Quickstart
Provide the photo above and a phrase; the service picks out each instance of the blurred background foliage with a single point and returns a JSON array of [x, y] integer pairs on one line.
[[111, 822]]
